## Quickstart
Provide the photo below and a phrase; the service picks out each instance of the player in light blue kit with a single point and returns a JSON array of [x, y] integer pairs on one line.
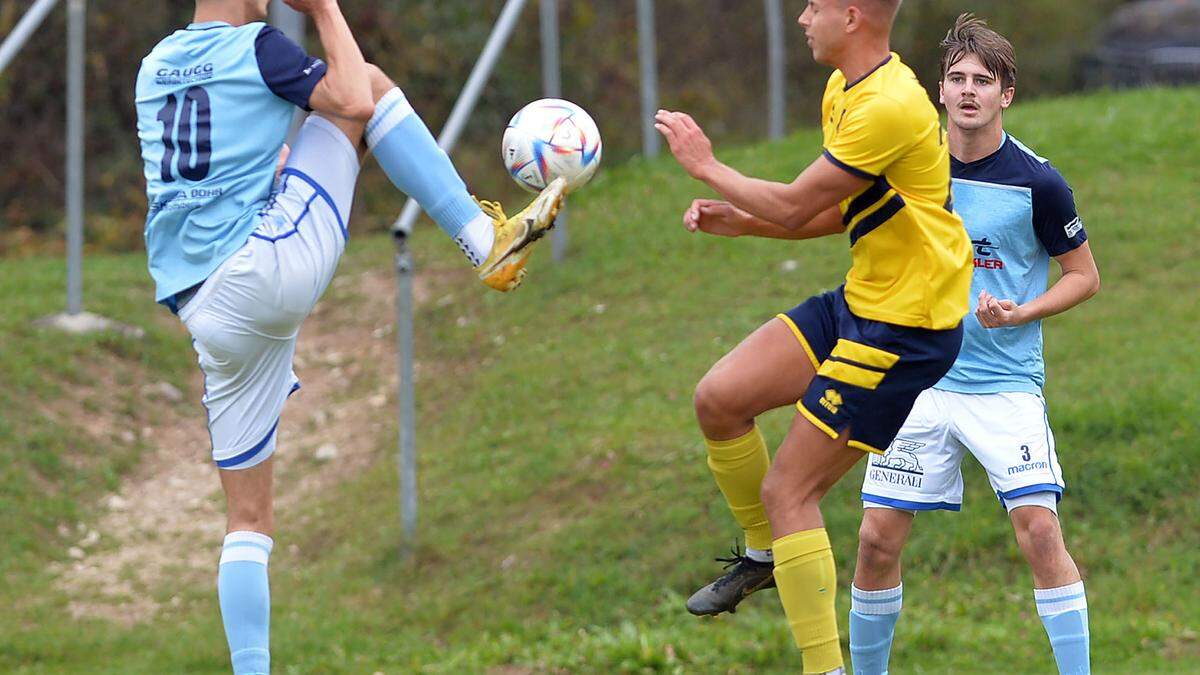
[[1019, 212], [243, 257]]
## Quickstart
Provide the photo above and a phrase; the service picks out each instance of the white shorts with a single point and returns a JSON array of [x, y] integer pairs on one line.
[[244, 319], [1008, 433]]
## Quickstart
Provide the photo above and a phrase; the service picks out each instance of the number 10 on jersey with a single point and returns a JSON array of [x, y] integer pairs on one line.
[[192, 160]]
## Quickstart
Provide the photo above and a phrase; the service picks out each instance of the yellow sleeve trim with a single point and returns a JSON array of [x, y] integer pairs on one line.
[[803, 342], [850, 374], [859, 445], [816, 421], [864, 354]]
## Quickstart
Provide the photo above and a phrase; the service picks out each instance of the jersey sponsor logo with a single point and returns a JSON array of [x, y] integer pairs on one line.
[[1072, 228], [832, 401], [986, 256], [189, 75], [900, 465], [185, 199]]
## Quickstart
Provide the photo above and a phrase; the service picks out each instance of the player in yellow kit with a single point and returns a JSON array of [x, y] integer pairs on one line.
[[852, 360]]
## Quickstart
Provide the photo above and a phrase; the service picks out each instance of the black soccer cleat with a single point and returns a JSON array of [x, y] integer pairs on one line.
[[723, 595]]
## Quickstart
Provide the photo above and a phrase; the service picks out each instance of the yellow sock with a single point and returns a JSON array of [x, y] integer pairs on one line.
[[739, 466], [807, 583]]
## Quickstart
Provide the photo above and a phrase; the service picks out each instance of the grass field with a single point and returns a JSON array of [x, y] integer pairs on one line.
[[567, 509]]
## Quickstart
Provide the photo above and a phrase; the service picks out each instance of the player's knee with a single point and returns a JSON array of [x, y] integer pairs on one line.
[[877, 548], [775, 497], [380, 82], [715, 402], [1038, 533], [783, 494]]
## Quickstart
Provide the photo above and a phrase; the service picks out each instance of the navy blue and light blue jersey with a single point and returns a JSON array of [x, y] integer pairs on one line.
[[1019, 212], [214, 105]]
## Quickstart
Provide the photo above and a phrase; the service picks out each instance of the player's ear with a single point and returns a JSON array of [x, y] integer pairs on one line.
[[853, 18], [941, 91], [1006, 97]]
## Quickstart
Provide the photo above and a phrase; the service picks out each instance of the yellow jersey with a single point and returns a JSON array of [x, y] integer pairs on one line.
[[910, 254]]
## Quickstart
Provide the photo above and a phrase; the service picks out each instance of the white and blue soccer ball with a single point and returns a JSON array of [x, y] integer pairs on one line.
[[548, 139]]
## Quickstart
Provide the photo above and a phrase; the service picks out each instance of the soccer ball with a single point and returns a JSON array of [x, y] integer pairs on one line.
[[548, 139]]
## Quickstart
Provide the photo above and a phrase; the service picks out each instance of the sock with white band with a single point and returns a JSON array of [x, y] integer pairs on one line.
[[245, 599], [1064, 614], [873, 616], [411, 158], [760, 555]]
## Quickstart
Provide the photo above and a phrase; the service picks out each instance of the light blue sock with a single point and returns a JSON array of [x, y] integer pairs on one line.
[[416, 165], [1064, 614], [245, 598], [873, 616]]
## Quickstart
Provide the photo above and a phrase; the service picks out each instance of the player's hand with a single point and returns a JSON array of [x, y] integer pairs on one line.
[[715, 217], [311, 7], [995, 313], [691, 147]]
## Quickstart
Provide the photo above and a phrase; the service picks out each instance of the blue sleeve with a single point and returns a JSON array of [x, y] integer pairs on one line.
[[1055, 220], [290, 73]]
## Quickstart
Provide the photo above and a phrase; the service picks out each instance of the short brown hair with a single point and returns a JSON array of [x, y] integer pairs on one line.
[[971, 35]]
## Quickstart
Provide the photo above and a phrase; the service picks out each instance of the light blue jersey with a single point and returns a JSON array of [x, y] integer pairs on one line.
[[1019, 212], [214, 105]]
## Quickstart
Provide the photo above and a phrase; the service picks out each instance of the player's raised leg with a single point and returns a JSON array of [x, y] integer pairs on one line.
[[1058, 589], [498, 246], [877, 594], [354, 90], [807, 464], [242, 587], [768, 370]]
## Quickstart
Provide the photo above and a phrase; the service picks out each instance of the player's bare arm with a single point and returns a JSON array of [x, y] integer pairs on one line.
[[720, 218], [345, 91], [790, 205], [1080, 280]]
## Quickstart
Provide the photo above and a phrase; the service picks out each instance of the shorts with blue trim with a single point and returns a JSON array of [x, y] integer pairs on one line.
[[868, 373], [1007, 432], [244, 319]]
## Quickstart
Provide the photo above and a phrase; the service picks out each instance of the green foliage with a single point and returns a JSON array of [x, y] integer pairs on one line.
[[566, 508], [712, 62]]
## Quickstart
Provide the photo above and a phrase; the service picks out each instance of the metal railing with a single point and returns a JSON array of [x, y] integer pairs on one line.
[[76, 40]]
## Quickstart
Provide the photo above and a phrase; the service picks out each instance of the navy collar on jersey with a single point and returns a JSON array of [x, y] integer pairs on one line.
[[208, 25], [869, 73], [956, 163]]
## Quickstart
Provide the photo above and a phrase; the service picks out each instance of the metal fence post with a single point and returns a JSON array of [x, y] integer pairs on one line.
[[23, 30], [552, 86], [76, 29], [648, 59], [776, 69], [406, 397]]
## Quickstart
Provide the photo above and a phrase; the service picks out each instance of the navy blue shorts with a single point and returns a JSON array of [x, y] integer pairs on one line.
[[869, 373]]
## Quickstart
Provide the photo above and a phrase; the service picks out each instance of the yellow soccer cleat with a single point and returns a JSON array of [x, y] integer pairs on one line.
[[505, 266]]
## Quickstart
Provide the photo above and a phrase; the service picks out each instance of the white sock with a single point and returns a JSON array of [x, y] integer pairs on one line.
[[476, 239], [760, 555]]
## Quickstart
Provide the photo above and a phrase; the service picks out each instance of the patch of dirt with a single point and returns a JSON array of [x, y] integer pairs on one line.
[[166, 522]]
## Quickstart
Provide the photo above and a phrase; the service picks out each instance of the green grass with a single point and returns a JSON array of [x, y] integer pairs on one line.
[[566, 506]]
